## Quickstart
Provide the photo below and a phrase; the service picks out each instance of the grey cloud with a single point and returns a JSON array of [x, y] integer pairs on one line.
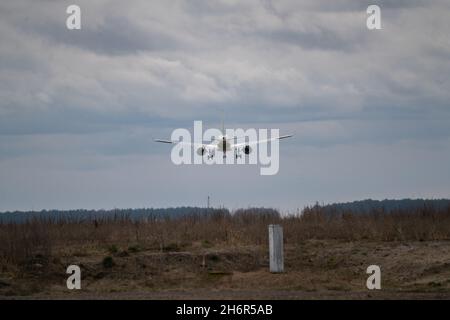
[[84, 106], [116, 36], [324, 39]]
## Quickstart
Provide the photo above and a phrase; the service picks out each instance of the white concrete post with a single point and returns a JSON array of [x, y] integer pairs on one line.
[[276, 248]]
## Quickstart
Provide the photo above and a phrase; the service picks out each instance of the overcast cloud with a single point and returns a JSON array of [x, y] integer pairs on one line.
[[79, 109]]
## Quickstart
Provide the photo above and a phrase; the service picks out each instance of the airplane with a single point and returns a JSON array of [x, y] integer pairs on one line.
[[225, 144]]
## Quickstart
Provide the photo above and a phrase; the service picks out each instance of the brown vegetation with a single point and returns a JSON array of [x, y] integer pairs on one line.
[[199, 248], [20, 241]]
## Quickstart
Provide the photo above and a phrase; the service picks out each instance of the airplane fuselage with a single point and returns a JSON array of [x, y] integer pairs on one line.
[[223, 145]]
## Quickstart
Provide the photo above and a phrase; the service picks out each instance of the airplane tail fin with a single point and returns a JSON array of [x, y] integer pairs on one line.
[[223, 124]]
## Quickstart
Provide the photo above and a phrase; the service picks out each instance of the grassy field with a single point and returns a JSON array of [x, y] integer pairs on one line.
[[225, 256]]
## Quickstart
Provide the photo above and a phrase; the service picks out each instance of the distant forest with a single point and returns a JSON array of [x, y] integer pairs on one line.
[[370, 206], [143, 214], [83, 214], [358, 207]]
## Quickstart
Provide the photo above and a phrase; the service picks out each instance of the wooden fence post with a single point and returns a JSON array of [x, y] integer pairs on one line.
[[276, 248]]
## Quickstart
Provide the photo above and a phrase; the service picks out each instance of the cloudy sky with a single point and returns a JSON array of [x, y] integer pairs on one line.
[[79, 109]]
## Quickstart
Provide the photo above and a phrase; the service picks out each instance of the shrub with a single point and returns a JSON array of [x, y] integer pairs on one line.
[[135, 248], [108, 262], [113, 249]]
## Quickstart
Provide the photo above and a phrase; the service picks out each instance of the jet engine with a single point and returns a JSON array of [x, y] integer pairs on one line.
[[201, 151]]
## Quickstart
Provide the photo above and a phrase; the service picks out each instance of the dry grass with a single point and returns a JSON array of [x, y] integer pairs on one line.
[[421, 224], [23, 241], [324, 253]]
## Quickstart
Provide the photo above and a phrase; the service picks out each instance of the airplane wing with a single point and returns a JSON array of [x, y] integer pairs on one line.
[[195, 145], [164, 141], [254, 143]]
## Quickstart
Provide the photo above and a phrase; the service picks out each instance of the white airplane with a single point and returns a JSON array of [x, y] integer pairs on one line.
[[225, 144]]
